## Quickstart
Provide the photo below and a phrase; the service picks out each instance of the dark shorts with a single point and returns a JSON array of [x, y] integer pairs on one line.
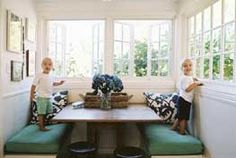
[[184, 108]]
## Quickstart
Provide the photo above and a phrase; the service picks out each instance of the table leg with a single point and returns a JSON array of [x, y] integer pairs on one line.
[[119, 135], [92, 133]]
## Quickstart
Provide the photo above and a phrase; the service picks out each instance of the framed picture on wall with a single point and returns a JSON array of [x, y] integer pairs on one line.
[[30, 30], [14, 32], [30, 63], [16, 71]]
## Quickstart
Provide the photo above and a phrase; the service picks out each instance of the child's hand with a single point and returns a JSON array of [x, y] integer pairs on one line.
[[61, 82], [195, 79]]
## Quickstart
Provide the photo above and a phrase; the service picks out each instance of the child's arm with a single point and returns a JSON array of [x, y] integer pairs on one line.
[[192, 86], [32, 91], [58, 83]]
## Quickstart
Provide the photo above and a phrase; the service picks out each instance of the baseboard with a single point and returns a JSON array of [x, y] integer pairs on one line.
[[179, 156], [30, 156]]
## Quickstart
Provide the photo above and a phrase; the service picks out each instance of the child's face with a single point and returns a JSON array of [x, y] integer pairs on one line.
[[187, 67], [47, 66]]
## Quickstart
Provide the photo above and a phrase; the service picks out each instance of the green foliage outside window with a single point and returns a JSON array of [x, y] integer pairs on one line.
[[140, 58]]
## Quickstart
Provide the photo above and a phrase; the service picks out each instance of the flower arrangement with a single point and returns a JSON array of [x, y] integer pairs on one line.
[[106, 83]]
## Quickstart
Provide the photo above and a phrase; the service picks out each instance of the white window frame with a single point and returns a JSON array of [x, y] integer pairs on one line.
[[109, 49], [211, 55], [170, 52]]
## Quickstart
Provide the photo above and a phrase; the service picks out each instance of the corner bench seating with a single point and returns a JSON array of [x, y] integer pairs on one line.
[[161, 142], [32, 143]]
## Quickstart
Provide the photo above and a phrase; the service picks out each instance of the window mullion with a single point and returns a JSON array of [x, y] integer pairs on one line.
[[132, 53], [222, 43], [234, 62], [211, 47], [149, 51]]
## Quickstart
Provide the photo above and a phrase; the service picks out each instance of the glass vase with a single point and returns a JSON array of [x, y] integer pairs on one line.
[[105, 101]]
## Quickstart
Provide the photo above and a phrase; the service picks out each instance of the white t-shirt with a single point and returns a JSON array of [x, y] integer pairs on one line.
[[44, 85], [185, 81]]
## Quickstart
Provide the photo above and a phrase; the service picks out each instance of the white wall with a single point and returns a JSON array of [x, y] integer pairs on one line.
[[14, 97], [214, 104]]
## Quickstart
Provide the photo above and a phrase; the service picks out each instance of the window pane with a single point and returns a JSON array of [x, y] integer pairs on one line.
[[207, 42], [217, 13], [206, 68], [118, 31], [101, 50], [198, 45], [199, 23], [52, 33], [155, 33], [126, 51], [191, 47], [229, 10], [148, 36], [154, 68], [229, 37], [78, 51], [125, 68], [117, 50], [101, 31], [163, 65], [207, 19], [216, 67], [228, 66], [164, 49], [216, 41], [126, 33], [198, 67], [140, 58], [59, 34], [155, 50], [191, 26]]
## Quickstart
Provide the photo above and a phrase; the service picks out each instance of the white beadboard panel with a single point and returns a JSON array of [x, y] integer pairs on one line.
[[16, 114], [213, 116]]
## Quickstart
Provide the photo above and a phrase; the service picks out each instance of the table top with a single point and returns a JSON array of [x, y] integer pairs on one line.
[[133, 113]]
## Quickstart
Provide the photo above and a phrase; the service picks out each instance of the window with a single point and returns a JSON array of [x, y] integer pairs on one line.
[[76, 47], [211, 41], [142, 48]]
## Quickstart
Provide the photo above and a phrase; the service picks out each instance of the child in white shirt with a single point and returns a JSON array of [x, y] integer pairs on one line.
[[187, 86], [43, 84]]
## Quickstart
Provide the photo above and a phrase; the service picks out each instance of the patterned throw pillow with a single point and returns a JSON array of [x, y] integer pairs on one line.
[[59, 101], [163, 104]]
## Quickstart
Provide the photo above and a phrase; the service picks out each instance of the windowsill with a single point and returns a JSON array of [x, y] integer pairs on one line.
[[129, 83]]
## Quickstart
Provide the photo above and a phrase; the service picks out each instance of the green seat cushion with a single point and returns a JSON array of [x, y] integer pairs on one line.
[[31, 140], [163, 141]]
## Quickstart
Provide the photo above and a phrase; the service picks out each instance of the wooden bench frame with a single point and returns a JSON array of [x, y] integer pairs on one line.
[[180, 156], [30, 156]]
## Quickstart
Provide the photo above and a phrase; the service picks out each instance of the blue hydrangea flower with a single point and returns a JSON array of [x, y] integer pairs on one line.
[[106, 83]]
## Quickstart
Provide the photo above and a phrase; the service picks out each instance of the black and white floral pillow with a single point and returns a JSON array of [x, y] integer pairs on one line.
[[163, 104], [59, 101]]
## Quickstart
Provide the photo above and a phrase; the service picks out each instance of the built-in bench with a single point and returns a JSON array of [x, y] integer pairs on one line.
[[160, 142], [32, 143]]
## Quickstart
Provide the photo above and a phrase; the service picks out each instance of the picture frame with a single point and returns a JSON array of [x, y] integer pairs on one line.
[[30, 63], [14, 32], [30, 30], [16, 71]]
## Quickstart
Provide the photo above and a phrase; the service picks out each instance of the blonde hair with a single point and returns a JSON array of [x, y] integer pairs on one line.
[[47, 59], [184, 61]]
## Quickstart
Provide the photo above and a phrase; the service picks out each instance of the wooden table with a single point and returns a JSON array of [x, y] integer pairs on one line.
[[135, 113]]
